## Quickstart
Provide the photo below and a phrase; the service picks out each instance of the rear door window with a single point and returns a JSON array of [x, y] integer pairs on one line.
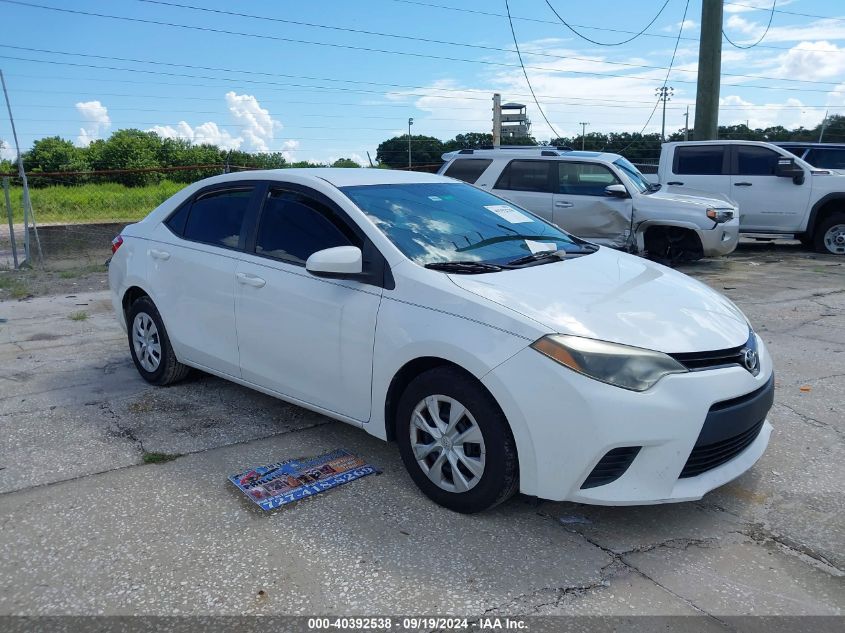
[[217, 217], [526, 175], [585, 179], [752, 160], [702, 160], [467, 169]]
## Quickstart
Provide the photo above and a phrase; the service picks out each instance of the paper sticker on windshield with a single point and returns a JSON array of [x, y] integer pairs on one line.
[[508, 213], [539, 247], [435, 198]]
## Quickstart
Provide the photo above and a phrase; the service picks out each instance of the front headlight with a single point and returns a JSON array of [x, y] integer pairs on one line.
[[621, 365], [720, 216]]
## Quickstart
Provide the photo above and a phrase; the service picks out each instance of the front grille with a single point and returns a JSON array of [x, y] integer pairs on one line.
[[709, 456], [730, 427], [697, 361], [612, 466]]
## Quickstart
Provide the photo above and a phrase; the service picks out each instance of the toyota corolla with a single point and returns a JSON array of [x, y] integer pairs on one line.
[[500, 353]]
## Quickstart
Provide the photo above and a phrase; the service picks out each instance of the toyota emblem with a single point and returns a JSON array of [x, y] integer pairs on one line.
[[751, 360]]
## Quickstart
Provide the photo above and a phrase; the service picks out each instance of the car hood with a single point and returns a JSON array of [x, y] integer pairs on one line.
[[675, 195], [617, 297]]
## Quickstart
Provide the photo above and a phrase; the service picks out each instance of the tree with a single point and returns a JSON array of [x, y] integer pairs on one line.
[[425, 150], [128, 149], [54, 154], [345, 162], [469, 140]]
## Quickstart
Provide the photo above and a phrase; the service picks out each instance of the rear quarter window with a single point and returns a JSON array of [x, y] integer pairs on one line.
[[467, 169]]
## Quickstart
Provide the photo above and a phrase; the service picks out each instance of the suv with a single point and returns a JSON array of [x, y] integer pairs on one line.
[[780, 194], [603, 198], [821, 155]]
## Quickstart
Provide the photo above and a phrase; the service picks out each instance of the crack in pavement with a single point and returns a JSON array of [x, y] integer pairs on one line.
[[809, 420]]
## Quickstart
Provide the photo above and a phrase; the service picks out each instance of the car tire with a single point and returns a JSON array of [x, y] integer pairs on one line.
[[487, 469], [829, 235], [150, 346]]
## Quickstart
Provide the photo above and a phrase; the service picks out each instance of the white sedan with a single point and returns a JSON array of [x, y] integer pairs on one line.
[[499, 352]]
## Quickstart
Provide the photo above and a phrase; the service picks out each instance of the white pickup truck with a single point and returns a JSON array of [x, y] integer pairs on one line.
[[779, 195]]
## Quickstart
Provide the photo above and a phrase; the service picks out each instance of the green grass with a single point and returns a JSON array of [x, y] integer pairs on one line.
[[14, 285], [78, 316], [73, 273], [159, 458], [92, 202]]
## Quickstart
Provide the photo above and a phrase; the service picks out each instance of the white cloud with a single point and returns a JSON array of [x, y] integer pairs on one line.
[[748, 31], [753, 5], [688, 25], [825, 61], [96, 118], [7, 152], [790, 114], [204, 133], [258, 127]]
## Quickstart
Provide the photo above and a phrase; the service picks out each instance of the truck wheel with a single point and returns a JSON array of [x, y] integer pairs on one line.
[[829, 236]]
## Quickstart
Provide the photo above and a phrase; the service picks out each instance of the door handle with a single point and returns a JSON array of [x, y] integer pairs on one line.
[[251, 280], [564, 205], [155, 254], [742, 184], [674, 182]]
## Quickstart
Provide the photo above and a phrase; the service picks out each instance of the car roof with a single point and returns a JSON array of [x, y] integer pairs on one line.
[[545, 153], [810, 144], [338, 176]]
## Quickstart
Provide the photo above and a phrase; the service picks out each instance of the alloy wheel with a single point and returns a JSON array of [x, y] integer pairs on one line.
[[447, 443], [834, 239], [145, 340]]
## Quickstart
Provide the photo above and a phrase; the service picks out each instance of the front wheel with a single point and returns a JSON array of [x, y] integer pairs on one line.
[[830, 235], [455, 441]]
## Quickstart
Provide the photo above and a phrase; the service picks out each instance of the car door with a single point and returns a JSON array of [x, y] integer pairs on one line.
[[309, 338], [767, 203], [583, 208], [529, 184], [191, 271], [704, 167]]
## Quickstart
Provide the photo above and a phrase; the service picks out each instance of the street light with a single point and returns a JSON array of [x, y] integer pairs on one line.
[[410, 123], [664, 94]]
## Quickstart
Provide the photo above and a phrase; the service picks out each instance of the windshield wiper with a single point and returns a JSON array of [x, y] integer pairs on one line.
[[464, 267], [549, 256]]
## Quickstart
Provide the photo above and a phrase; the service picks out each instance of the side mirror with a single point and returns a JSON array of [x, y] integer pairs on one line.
[[616, 191], [786, 168], [340, 261]]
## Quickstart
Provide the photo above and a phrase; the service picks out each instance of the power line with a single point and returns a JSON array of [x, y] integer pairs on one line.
[[379, 50], [525, 73], [596, 28], [803, 15], [735, 45], [666, 80], [592, 41]]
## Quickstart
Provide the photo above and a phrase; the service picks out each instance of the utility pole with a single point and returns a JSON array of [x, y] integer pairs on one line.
[[709, 71], [27, 202], [664, 93], [410, 123], [497, 119], [824, 125], [583, 125], [686, 125]]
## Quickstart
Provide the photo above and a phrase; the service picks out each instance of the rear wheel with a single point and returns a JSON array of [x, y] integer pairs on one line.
[[455, 441], [830, 235], [150, 346]]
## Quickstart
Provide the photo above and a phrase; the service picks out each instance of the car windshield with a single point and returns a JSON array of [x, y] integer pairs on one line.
[[434, 223], [634, 175]]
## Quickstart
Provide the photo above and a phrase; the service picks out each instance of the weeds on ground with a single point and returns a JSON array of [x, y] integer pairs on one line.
[[78, 316], [159, 458], [13, 286]]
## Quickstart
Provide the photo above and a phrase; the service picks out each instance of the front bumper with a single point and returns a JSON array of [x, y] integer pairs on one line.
[[564, 423], [721, 239]]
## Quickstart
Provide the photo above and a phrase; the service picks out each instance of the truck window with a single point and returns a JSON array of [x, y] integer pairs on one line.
[[468, 169], [585, 179], [756, 161], [526, 175], [826, 158], [699, 159]]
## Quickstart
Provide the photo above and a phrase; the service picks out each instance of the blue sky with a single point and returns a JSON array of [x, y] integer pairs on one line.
[[323, 97]]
